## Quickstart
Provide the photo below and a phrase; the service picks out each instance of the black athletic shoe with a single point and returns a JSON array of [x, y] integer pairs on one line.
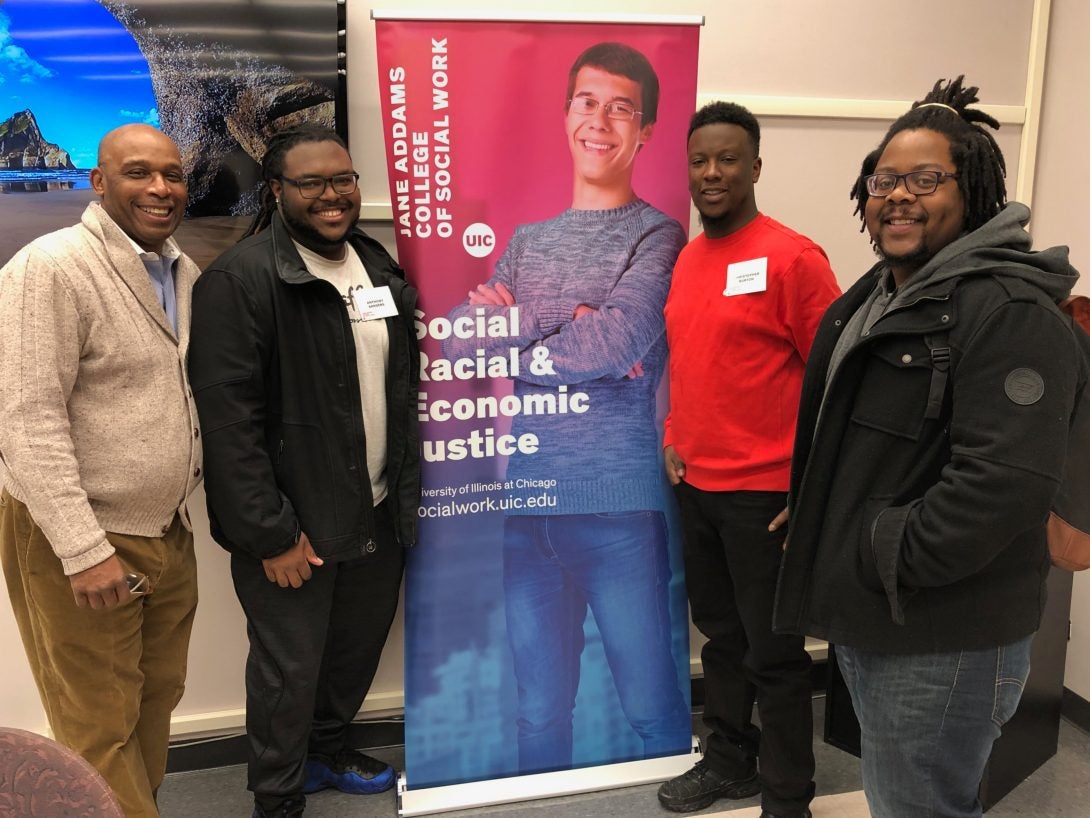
[[293, 808], [796, 814], [702, 785]]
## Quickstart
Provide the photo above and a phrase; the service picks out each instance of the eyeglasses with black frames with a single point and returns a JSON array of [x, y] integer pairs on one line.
[[588, 106], [918, 183], [311, 187]]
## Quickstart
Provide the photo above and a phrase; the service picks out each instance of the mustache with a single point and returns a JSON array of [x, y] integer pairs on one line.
[[900, 212]]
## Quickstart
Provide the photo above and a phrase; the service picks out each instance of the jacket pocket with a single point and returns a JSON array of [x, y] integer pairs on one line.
[[880, 544], [894, 392]]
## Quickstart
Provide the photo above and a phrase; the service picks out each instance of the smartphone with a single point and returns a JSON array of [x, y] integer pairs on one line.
[[138, 583]]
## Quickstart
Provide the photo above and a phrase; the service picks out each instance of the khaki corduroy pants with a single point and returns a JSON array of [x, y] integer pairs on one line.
[[108, 679]]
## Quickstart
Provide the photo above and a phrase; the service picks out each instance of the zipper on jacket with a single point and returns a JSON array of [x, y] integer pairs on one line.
[[280, 452], [359, 453]]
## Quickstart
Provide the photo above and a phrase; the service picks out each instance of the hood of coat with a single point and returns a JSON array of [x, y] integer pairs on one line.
[[1002, 245]]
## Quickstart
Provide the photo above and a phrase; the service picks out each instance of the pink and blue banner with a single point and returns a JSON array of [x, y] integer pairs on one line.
[[538, 182]]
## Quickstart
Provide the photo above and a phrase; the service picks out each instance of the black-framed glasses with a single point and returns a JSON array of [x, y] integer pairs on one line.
[[918, 183], [311, 187], [588, 106]]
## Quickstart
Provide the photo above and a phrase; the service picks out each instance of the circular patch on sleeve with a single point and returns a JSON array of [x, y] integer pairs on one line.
[[1024, 386]]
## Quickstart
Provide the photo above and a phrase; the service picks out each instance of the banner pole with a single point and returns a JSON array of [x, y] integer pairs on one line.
[[434, 800]]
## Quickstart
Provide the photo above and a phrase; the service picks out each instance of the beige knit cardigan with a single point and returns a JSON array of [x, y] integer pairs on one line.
[[98, 429]]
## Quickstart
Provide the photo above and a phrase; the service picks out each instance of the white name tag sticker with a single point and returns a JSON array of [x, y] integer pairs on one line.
[[747, 277], [375, 302]]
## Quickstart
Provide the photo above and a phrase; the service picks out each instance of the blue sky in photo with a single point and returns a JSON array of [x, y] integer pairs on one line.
[[76, 67]]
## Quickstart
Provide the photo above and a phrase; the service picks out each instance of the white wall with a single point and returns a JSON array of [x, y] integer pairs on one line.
[[829, 50], [1059, 217]]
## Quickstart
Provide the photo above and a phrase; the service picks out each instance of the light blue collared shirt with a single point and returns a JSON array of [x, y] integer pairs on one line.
[[160, 269]]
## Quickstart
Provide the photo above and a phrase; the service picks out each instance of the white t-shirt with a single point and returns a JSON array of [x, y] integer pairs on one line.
[[372, 341]]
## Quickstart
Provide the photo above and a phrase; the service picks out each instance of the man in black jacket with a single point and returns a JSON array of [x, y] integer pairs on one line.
[[932, 435], [304, 366]]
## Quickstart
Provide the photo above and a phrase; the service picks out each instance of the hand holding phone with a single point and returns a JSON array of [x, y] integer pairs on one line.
[[138, 583]]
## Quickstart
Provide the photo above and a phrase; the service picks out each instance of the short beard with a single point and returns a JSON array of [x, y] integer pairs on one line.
[[311, 238], [913, 260]]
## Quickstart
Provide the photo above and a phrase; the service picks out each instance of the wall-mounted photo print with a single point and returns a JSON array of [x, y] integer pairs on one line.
[[217, 77]]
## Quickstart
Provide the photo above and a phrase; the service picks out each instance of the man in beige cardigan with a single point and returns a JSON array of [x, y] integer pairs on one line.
[[99, 449]]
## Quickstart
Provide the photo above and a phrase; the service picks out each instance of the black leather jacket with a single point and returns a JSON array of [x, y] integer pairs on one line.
[[272, 364]]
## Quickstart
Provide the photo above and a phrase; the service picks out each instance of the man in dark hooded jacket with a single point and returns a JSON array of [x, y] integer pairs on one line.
[[932, 435]]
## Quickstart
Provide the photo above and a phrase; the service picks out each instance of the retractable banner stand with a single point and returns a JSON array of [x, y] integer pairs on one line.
[[538, 183]]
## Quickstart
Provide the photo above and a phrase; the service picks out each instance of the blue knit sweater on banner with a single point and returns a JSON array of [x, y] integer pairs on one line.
[[617, 262]]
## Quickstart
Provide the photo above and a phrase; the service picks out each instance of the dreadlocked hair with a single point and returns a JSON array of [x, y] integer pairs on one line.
[[980, 165], [272, 166]]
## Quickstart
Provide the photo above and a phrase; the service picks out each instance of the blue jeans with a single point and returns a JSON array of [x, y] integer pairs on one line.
[[553, 568], [928, 723]]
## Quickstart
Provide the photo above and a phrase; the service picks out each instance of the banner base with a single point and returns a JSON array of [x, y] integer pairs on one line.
[[431, 800]]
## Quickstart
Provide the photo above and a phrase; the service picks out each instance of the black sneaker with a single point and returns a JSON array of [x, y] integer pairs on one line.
[[797, 814], [292, 808], [349, 771], [702, 785]]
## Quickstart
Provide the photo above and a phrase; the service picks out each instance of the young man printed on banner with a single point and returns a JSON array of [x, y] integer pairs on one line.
[[589, 286], [932, 436], [745, 302], [99, 451], [305, 369]]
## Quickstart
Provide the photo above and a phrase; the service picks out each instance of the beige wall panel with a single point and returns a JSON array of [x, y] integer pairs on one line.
[[1063, 173], [218, 646], [1063, 177], [19, 703], [866, 50]]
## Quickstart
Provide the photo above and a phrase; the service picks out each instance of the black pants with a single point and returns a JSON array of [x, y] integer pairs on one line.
[[731, 565], [313, 654]]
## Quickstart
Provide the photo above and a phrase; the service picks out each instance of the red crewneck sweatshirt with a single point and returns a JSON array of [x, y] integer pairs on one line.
[[736, 360]]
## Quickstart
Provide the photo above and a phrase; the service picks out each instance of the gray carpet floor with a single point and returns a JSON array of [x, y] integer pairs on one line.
[[1060, 788]]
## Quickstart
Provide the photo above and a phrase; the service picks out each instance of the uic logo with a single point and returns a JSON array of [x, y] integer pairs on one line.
[[479, 240]]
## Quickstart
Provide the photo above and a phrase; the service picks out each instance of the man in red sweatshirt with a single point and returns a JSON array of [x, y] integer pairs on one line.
[[743, 308]]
